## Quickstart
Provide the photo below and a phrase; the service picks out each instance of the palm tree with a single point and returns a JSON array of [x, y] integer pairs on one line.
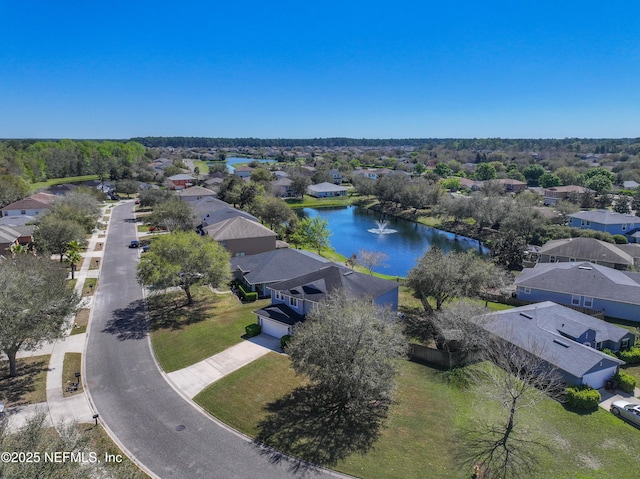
[[72, 255]]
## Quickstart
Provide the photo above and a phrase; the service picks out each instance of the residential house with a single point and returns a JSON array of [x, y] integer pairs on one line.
[[209, 210], [574, 250], [243, 171], [180, 181], [336, 176], [561, 338], [241, 236], [586, 285], [630, 185], [293, 299], [282, 187], [325, 190], [558, 193], [259, 271], [607, 221], [33, 205], [194, 194]]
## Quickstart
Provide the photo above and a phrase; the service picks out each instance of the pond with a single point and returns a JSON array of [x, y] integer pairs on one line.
[[231, 161], [350, 232]]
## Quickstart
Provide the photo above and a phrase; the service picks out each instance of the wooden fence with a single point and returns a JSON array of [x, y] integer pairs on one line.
[[444, 359]]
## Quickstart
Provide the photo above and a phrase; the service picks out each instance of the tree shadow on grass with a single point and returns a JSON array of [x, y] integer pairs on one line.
[[172, 312], [130, 322], [311, 425], [13, 391]]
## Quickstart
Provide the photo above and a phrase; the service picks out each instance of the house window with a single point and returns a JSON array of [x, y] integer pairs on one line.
[[293, 302], [278, 295], [624, 227], [552, 259], [575, 300], [599, 346], [588, 302], [572, 260], [527, 290], [23, 212], [624, 344], [239, 253]]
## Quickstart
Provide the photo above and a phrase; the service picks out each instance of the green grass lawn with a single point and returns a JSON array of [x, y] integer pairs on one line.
[[311, 202], [89, 286], [29, 386], [80, 324], [183, 335], [419, 438], [71, 365], [59, 181], [202, 166]]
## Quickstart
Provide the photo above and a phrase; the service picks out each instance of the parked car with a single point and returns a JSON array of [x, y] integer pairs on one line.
[[134, 244], [626, 410]]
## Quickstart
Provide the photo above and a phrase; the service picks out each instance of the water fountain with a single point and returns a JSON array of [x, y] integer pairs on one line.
[[382, 228]]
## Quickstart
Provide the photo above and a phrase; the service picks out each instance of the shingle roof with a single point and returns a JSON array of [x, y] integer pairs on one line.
[[237, 228], [326, 186], [277, 265], [315, 285], [196, 191], [34, 202], [589, 249], [587, 279], [280, 312], [528, 328], [181, 176], [605, 217]]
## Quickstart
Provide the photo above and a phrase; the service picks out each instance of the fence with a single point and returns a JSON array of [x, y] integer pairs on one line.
[[445, 359]]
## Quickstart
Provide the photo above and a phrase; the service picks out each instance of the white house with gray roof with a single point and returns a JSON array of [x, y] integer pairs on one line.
[[587, 285], [558, 336]]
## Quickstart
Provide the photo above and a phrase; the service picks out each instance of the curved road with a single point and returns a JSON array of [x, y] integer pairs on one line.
[[157, 425]]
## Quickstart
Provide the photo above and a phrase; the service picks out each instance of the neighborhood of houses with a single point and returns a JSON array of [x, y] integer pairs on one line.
[[571, 281]]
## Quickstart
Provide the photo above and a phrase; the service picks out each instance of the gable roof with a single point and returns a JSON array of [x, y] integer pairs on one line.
[[326, 186], [605, 217], [36, 201], [315, 285], [583, 278], [530, 328], [277, 265], [210, 210], [181, 176], [8, 235], [196, 191], [587, 249], [237, 228]]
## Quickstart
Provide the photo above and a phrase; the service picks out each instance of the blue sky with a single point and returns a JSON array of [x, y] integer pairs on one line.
[[294, 69]]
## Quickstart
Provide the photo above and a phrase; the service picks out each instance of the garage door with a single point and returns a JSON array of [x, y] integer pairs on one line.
[[274, 328], [597, 379]]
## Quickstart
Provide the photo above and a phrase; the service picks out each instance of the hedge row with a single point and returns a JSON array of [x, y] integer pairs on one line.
[[630, 356], [247, 295], [626, 382], [582, 398], [252, 330]]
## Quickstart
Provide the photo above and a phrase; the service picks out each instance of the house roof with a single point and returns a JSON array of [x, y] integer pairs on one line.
[[326, 186], [8, 235], [196, 191], [181, 176], [282, 182], [280, 312], [210, 210], [567, 189], [277, 265], [605, 217], [533, 329], [237, 228], [16, 220], [589, 249], [315, 285], [630, 185], [586, 279], [37, 201]]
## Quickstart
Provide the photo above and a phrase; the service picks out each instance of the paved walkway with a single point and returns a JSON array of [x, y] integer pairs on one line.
[[609, 396], [193, 379]]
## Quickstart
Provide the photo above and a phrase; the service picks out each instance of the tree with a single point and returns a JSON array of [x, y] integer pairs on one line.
[[622, 205], [635, 201], [128, 187], [79, 206], [52, 235], [452, 183], [549, 180], [371, 259], [35, 303], [350, 348], [313, 232], [151, 197], [72, 255], [183, 259], [486, 171], [515, 380], [173, 215], [262, 176], [12, 189], [272, 211], [532, 173], [299, 185], [598, 179], [509, 250], [442, 170], [443, 277]]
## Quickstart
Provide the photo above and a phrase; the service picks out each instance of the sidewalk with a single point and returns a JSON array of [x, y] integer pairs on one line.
[[609, 396]]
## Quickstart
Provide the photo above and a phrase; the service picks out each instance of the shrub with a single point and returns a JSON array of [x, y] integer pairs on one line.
[[626, 382], [582, 398], [458, 377], [620, 239], [247, 295], [284, 340], [630, 356], [609, 352], [253, 329]]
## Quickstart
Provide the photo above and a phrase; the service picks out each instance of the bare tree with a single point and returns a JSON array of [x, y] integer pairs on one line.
[[372, 259]]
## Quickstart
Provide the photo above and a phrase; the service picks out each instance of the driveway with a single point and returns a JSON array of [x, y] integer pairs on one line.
[[155, 424]]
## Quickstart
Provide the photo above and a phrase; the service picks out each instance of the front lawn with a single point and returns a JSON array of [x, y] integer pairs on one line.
[[29, 386], [420, 436], [183, 335]]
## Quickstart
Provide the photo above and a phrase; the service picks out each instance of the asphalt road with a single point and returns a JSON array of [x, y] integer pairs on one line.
[[157, 425]]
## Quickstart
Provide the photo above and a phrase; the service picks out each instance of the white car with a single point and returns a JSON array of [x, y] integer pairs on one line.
[[626, 410]]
